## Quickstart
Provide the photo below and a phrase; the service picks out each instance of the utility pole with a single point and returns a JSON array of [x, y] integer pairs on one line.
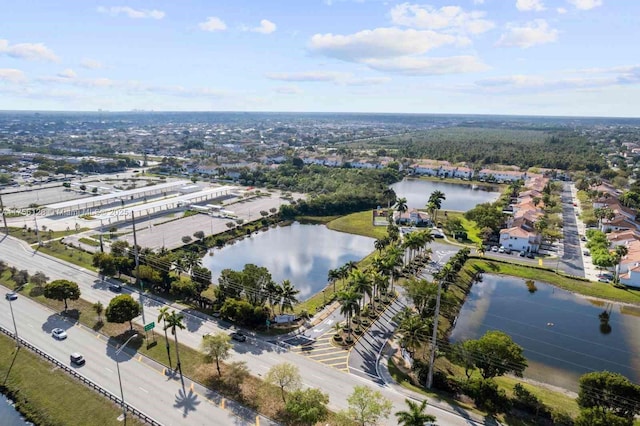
[[137, 260], [434, 336], [4, 218]]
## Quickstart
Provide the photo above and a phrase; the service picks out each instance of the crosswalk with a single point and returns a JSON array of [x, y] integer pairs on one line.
[[324, 351]]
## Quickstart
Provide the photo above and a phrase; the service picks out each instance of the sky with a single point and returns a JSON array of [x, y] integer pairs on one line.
[[522, 57]]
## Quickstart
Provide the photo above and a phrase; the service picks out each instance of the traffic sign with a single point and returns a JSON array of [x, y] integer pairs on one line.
[[149, 326]]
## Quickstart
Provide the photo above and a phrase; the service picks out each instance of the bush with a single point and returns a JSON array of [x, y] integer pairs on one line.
[[487, 395]]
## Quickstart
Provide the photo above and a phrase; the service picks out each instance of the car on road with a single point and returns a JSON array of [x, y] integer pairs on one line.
[[606, 275], [239, 337], [604, 280], [583, 238], [77, 359], [437, 234], [522, 253], [501, 250], [530, 255], [116, 288], [586, 253], [11, 295], [59, 334], [494, 248]]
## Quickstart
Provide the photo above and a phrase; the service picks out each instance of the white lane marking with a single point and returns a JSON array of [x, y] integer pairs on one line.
[[143, 389], [109, 370]]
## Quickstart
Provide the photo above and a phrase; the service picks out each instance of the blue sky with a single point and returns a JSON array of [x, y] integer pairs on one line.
[[540, 57]]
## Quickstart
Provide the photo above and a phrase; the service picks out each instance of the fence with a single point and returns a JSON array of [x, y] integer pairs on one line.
[[139, 414]]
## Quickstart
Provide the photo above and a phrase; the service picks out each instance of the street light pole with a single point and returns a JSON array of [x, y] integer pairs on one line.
[[124, 408], [434, 336], [4, 217], [137, 260], [15, 328]]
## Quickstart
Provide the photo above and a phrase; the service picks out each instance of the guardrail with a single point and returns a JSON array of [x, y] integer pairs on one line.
[[139, 414]]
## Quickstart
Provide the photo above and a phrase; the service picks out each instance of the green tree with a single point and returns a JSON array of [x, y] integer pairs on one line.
[[216, 347], [609, 393], [39, 278], [98, 308], [163, 315], [174, 321], [367, 407], [286, 376], [237, 371], [21, 277], [288, 296], [307, 407], [401, 205], [121, 309], [435, 200], [62, 290], [595, 417], [415, 414], [496, 354], [349, 305]]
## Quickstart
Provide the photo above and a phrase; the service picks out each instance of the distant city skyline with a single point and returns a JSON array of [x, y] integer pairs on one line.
[[504, 57]]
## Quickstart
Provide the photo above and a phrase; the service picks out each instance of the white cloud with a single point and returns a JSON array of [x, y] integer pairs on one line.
[[265, 27], [561, 10], [132, 13], [478, 1], [91, 64], [378, 43], [531, 34], [408, 65], [367, 81], [308, 76], [288, 90], [585, 4], [447, 18], [213, 24], [530, 5], [12, 75], [28, 51], [68, 73]]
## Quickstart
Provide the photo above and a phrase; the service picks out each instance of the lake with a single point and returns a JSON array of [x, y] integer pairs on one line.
[[303, 254], [560, 332], [460, 197], [9, 415]]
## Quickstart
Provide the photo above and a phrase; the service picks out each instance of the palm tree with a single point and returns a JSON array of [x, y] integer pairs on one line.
[[390, 195], [621, 252], [414, 331], [164, 313], [191, 260], [381, 243], [349, 305], [361, 283], [173, 321], [288, 294], [332, 276], [415, 415], [437, 197], [274, 294], [480, 248], [401, 205], [378, 281]]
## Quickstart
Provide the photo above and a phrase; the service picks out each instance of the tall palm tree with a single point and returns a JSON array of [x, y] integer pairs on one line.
[[349, 305], [381, 243], [390, 195], [191, 260], [620, 253], [332, 276], [164, 313], [401, 205], [415, 415], [274, 294], [288, 293], [414, 331], [174, 321], [378, 281], [437, 197], [361, 283]]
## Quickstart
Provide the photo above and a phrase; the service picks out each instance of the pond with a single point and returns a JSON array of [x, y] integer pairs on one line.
[[561, 333], [9, 415], [460, 197], [303, 254]]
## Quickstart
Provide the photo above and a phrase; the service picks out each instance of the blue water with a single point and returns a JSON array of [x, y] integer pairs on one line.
[[9, 416], [560, 332], [459, 197], [303, 254]]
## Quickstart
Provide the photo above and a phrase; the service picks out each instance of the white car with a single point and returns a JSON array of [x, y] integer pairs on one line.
[[59, 334]]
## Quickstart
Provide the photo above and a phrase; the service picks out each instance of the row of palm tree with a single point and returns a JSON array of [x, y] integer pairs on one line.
[[172, 320], [341, 273]]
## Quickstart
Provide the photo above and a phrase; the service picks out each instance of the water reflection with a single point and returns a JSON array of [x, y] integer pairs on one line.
[[303, 254], [460, 197], [563, 335]]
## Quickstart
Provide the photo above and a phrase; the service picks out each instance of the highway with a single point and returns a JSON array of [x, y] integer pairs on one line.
[[144, 387], [259, 354]]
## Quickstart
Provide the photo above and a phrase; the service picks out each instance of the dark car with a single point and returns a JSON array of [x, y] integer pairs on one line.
[[522, 253], [239, 337], [116, 288], [77, 359], [530, 255], [11, 296]]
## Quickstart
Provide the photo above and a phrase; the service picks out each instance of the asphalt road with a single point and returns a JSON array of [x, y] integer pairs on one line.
[[259, 354], [144, 387], [571, 261]]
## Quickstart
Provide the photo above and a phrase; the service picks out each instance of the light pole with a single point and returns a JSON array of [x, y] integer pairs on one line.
[[124, 409], [14, 323]]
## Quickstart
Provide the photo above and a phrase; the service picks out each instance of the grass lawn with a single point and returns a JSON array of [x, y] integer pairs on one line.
[[316, 219], [473, 232], [69, 254], [49, 396], [31, 237], [586, 288], [358, 223], [89, 242]]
